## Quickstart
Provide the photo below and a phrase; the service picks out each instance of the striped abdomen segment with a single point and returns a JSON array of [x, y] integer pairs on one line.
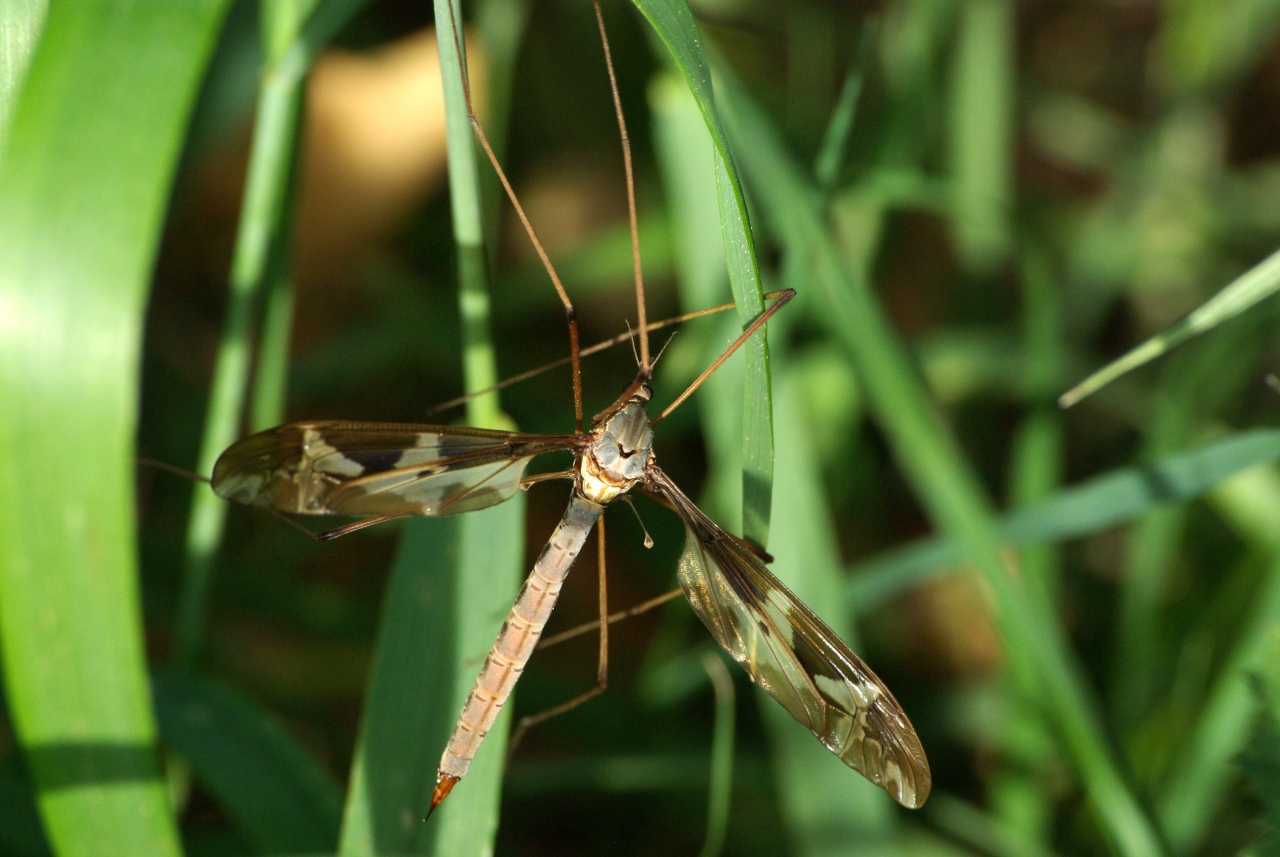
[[516, 640]]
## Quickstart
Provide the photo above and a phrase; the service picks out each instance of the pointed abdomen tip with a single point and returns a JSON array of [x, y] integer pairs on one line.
[[444, 785]]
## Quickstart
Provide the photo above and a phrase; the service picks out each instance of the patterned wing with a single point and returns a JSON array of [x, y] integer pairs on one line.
[[358, 469], [795, 657]]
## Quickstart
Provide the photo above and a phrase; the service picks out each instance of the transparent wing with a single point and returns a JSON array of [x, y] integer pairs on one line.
[[345, 468], [795, 657]]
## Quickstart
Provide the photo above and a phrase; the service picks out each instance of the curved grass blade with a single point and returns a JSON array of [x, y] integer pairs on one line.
[[84, 184], [674, 24]]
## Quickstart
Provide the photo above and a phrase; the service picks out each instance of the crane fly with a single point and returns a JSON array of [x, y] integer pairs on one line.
[[379, 471]]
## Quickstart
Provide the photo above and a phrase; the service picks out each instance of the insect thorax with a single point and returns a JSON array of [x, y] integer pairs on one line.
[[621, 448]]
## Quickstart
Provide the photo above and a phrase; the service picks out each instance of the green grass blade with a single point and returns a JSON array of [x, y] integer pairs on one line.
[[982, 135], [479, 365], [298, 33], [84, 186], [822, 800], [835, 140], [1092, 506], [259, 292], [20, 25], [272, 788], [945, 483], [404, 719], [721, 754], [1261, 761], [686, 156], [491, 551], [260, 238], [674, 24], [1255, 285], [1019, 787], [452, 583], [259, 288], [1205, 46], [986, 833], [1039, 448], [1193, 792]]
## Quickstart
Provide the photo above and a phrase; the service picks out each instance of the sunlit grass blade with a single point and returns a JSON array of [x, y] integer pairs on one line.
[[1258, 283], [259, 276], [20, 25], [452, 583], [686, 156], [84, 185]]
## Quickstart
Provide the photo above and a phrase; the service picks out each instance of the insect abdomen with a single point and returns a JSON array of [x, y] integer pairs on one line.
[[519, 636]]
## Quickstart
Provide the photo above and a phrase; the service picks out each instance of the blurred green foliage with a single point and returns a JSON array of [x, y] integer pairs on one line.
[[979, 202]]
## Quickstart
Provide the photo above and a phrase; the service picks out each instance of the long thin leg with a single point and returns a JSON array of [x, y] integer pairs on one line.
[[642, 607], [571, 314], [602, 671], [588, 351], [641, 312], [787, 294]]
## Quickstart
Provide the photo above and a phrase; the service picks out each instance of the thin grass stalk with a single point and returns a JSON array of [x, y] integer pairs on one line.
[[292, 36], [839, 131], [271, 370], [1019, 791], [982, 111], [721, 777], [491, 541], [260, 235], [451, 584]]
